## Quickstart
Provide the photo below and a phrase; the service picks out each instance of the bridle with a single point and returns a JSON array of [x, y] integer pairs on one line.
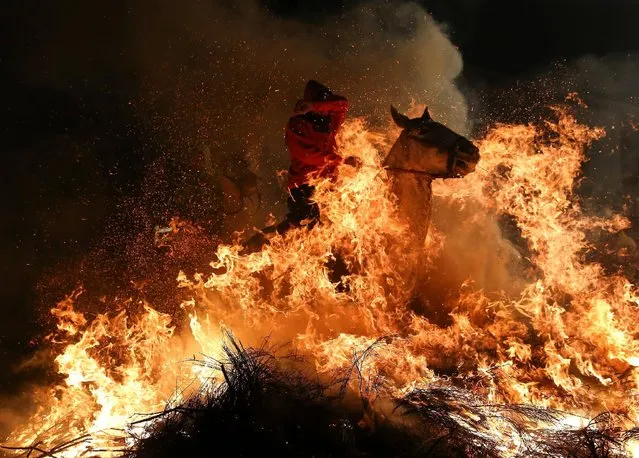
[[452, 155]]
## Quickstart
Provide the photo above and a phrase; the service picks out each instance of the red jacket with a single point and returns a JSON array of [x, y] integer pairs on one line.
[[310, 138]]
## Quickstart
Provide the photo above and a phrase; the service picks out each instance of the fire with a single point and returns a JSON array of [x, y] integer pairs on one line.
[[562, 336]]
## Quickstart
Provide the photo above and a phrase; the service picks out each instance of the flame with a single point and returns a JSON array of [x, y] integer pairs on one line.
[[564, 336]]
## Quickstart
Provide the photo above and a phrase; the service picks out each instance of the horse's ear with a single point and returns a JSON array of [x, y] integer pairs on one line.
[[401, 120], [426, 115]]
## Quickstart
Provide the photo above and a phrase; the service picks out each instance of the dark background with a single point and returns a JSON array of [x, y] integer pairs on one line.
[[57, 202]]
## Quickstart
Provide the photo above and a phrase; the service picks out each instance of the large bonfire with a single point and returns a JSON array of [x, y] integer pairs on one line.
[[558, 334]]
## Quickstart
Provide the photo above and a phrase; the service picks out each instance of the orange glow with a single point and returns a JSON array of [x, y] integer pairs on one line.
[[561, 334]]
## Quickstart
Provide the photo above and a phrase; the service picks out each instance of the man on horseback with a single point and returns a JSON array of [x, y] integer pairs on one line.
[[424, 151], [310, 139]]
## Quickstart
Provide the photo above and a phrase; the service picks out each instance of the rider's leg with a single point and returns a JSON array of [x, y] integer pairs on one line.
[[302, 210]]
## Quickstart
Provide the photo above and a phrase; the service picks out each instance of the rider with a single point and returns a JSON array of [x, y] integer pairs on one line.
[[310, 138]]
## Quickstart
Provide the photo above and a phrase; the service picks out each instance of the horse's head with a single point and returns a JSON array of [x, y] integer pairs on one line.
[[430, 147]]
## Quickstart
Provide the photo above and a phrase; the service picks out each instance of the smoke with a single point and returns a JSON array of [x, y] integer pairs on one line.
[[228, 76], [608, 88]]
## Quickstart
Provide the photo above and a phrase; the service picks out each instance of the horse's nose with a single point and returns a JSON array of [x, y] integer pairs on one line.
[[469, 148]]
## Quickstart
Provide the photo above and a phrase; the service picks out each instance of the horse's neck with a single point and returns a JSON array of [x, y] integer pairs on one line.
[[398, 157], [413, 192]]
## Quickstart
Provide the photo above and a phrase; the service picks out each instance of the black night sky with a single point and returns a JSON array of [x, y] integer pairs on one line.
[[68, 77]]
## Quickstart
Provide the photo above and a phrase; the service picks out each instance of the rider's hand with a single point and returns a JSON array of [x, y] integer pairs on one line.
[[353, 161]]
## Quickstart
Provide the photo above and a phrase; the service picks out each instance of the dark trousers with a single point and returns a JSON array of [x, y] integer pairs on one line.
[[301, 208], [302, 211]]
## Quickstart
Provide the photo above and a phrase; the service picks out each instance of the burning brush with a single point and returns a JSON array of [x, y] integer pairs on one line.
[[268, 406]]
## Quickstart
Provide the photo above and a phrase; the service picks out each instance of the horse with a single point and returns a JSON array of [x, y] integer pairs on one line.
[[424, 151]]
